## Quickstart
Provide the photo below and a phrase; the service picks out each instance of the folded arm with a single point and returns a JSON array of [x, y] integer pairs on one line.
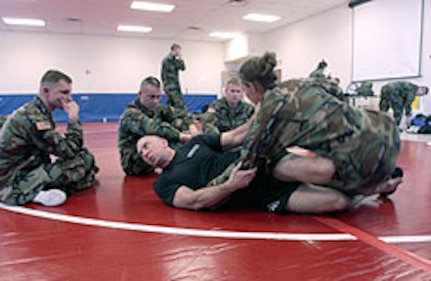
[[208, 197]]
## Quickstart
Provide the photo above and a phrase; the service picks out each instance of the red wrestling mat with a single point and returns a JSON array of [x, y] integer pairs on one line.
[[119, 230]]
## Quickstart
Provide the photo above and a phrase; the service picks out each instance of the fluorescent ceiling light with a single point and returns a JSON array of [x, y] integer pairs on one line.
[[224, 35], [26, 22], [149, 6], [261, 18], [134, 28]]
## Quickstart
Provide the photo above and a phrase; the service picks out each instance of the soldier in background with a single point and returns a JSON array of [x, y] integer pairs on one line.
[[319, 71], [365, 89], [228, 112], [399, 96], [28, 139], [2, 120], [145, 115], [335, 89], [171, 65]]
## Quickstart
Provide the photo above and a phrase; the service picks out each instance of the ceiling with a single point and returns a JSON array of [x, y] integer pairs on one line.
[[190, 20]]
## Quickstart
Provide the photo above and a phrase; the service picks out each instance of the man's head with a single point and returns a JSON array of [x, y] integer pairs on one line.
[[335, 81], [150, 93], [422, 91], [154, 150], [322, 65], [55, 89], [233, 92], [176, 49]]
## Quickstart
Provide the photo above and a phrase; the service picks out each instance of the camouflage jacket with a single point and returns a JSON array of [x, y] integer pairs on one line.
[[224, 117], [2, 121], [28, 138], [365, 89], [169, 73], [300, 112], [402, 89], [137, 121], [318, 73]]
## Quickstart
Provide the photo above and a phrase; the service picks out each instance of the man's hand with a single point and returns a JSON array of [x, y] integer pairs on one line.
[[194, 131], [72, 109], [185, 137], [239, 179]]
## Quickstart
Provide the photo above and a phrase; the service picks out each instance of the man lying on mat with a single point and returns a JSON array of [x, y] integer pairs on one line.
[[188, 170]]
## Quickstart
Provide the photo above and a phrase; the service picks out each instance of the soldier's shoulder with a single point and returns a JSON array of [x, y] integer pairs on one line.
[[218, 103]]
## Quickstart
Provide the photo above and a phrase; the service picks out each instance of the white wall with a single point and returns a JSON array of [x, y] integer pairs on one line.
[[300, 46], [117, 64], [101, 64]]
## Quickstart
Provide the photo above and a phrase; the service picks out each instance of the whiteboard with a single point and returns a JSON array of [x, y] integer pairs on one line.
[[387, 39]]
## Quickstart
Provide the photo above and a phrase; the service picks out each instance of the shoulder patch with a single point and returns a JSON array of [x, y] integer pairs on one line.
[[211, 110], [43, 125]]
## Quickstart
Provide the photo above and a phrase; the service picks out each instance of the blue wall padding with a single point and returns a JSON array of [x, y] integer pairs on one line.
[[96, 107]]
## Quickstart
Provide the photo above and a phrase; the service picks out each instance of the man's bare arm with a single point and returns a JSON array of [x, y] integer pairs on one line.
[[207, 197]]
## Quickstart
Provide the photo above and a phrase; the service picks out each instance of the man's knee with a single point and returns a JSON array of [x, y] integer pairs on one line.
[[325, 170], [137, 167], [309, 199], [316, 170], [73, 169]]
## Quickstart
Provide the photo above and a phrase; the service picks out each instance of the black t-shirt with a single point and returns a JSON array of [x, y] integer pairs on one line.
[[201, 160], [194, 165]]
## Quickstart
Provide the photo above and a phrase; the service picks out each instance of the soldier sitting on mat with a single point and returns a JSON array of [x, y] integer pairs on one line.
[[228, 112], [145, 115], [356, 149], [28, 139]]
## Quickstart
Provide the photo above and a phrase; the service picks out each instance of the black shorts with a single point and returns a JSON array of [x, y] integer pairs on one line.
[[264, 192], [278, 192]]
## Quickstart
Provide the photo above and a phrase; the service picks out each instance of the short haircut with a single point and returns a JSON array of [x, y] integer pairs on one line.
[[234, 81], [150, 80], [54, 76], [174, 46]]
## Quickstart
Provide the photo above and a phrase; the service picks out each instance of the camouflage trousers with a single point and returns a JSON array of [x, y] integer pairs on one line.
[[175, 98], [137, 167], [70, 175], [398, 104]]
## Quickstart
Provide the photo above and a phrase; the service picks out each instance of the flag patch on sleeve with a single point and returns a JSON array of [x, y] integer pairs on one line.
[[43, 125]]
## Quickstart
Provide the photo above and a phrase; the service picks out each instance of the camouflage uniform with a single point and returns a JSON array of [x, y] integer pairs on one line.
[[2, 121], [337, 92], [225, 118], [399, 96], [27, 141], [318, 73], [137, 121], [363, 145], [171, 82], [332, 88], [365, 90]]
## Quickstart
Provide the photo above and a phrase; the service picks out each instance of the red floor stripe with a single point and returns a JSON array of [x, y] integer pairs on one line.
[[372, 240]]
